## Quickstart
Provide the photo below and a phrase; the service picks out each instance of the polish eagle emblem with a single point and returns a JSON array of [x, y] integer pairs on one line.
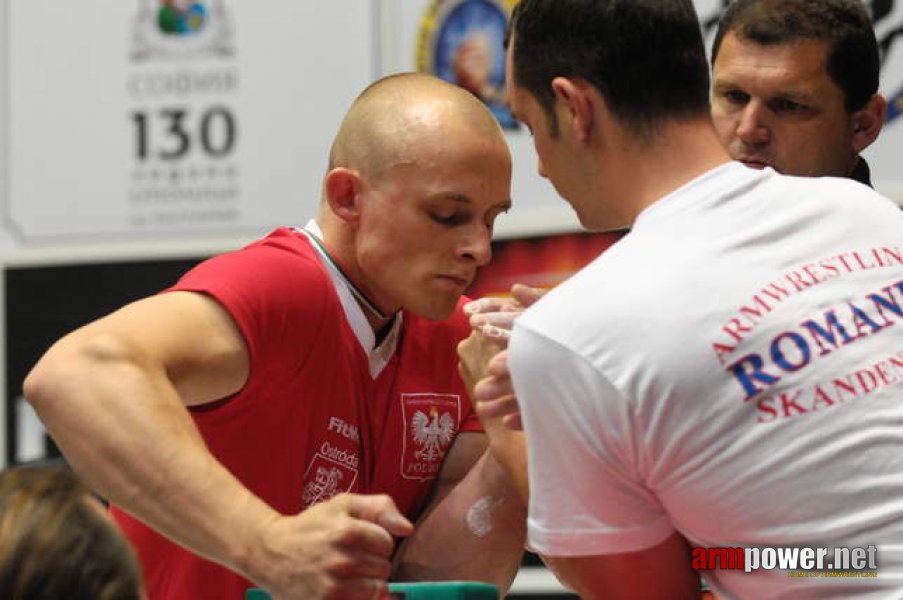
[[433, 433], [324, 486]]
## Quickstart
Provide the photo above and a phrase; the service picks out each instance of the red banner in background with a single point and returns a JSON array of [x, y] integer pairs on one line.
[[539, 261]]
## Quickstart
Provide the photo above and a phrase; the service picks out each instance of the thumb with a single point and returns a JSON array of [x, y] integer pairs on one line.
[[380, 509], [527, 295], [498, 365]]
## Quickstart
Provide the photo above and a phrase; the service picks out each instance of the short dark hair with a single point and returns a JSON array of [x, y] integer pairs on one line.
[[853, 58], [646, 57], [55, 544]]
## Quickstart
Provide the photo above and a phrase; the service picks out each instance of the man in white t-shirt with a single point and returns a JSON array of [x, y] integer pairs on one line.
[[729, 376]]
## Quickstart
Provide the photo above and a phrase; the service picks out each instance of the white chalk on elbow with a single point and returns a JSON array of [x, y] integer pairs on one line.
[[479, 515]]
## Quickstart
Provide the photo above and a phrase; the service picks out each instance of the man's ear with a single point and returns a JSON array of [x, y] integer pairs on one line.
[[342, 188], [867, 122], [578, 102]]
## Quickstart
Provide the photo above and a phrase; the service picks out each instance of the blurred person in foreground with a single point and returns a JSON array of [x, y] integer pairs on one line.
[[57, 541]]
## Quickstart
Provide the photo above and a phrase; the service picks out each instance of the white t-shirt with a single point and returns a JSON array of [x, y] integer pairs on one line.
[[733, 370]]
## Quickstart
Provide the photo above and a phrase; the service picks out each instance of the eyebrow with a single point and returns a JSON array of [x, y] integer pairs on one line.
[[464, 199], [454, 196]]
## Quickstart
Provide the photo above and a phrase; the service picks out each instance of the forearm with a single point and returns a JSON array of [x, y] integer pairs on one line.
[[477, 354], [121, 424], [476, 532], [510, 451]]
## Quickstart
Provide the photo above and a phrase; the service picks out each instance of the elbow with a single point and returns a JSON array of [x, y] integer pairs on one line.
[[72, 365], [45, 379]]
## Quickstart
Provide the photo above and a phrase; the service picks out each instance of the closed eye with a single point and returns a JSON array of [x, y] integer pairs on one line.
[[449, 220]]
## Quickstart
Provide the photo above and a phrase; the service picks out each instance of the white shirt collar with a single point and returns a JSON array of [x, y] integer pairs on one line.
[[380, 355]]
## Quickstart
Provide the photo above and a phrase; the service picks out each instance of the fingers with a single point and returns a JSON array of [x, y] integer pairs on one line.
[[494, 395], [496, 335], [356, 562], [513, 422], [374, 589], [498, 407], [522, 296], [494, 318], [495, 326], [498, 319], [488, 304], [498, 366], [381, 510], [362, 588], [498, 384], [527, 295], [490, 388], [340, 548]]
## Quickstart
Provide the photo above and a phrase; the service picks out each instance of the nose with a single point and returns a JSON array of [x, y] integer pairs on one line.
[[752, 126], [476, 244], [541, 168]]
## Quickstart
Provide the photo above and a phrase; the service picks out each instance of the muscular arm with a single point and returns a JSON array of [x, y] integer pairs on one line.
[[113, 396], [663, 571], [485, 373], [474, 528]]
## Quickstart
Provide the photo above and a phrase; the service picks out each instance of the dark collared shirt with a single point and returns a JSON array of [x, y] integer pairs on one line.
[[862, 173]]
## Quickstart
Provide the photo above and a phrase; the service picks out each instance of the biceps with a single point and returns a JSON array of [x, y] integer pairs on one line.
[[466, 450]]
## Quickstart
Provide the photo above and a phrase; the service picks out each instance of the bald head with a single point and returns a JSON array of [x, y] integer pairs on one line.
[[397, 118]]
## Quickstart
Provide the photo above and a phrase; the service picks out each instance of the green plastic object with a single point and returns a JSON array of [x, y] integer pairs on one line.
[[444, 590], [434, 590]]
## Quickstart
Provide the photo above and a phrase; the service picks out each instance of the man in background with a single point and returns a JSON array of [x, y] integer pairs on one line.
[[795, 86]]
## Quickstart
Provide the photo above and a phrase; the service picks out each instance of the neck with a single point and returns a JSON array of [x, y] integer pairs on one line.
[[642, 173], [341, 252]]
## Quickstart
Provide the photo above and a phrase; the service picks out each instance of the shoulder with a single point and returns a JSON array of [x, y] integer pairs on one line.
[[282, 259], [829, 193], [274, 284]]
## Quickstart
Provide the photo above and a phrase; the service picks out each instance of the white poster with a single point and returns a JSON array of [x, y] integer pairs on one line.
[[135, 118]]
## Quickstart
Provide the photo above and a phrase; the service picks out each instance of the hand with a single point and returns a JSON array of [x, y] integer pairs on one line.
[[491, 320], [494, 317], [494, 395], [338, 549], [474, 354]]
